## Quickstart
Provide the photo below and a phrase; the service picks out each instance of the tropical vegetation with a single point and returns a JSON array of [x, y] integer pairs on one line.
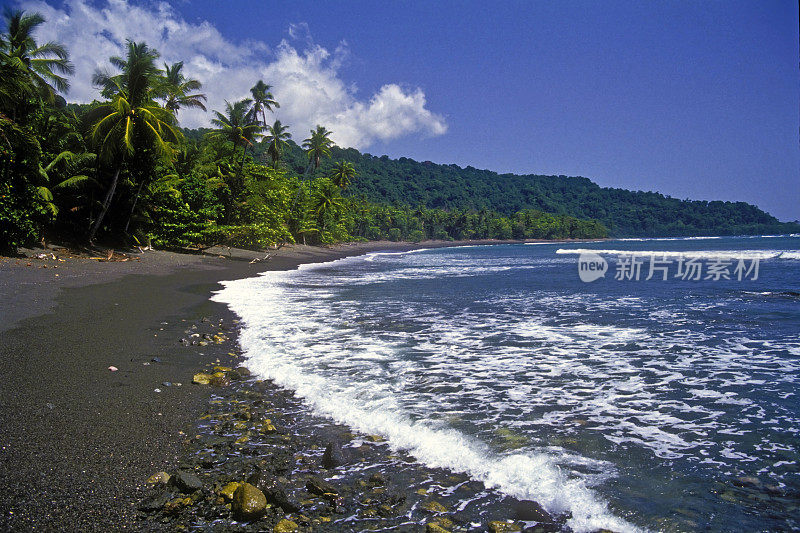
[[122, 170]]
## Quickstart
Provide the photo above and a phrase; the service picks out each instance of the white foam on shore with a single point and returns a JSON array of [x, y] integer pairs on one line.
[[691, 254], [439, 379], [298, 350]]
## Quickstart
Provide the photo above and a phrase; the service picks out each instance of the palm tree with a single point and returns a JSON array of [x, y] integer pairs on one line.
[[327, 203], [132, 120], [262, 101], [276, 137], [15, 85], [237, 126], [177, 89], [43, 63], [342, 174], [318, 145]]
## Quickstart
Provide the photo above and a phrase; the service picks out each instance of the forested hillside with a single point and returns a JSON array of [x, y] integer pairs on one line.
[[625, 213], [121, 169]]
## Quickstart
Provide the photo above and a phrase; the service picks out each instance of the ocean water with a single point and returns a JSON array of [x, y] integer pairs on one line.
[[633, 404]]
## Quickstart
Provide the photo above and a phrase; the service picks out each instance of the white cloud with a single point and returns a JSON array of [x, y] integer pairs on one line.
[[305, 80]]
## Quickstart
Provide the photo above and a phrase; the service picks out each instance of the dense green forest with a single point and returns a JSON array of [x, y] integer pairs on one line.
[[121, 170], [625, 213]]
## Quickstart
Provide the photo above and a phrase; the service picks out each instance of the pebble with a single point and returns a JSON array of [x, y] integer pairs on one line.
[[333, 456], [285, 526], [187, 482], [434, 507], [498, 526], [248, 502], [158, 477]]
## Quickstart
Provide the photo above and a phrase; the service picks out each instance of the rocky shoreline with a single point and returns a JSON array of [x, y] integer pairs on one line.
[[260, 461], [78, 440]]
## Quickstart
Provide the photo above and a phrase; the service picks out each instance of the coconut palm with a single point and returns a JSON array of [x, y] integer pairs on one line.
[[132, 121], [178, 89], [276, 137], [327, 204], [262, 101], [46, 65], [15, 85], [237, 126], [318, 145], [342, 174]]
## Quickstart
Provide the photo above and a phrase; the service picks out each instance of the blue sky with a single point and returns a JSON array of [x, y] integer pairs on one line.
[[692, 99]]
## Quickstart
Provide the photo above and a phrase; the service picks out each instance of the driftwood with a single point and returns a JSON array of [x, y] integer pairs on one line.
[[268, 256]]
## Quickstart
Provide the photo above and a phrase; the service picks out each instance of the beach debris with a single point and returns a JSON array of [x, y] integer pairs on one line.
[[156, 390], [158, 477], [184, 341], [113, 368], [258, 259], [155, 360], [249, 503], [112, 256], [166, 384]]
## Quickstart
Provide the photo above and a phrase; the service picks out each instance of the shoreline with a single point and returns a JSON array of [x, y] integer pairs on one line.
[[78, 441]]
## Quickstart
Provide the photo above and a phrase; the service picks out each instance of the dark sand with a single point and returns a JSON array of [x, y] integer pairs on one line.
[[76, 440]]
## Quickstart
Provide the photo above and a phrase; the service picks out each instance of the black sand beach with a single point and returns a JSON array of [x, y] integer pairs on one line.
[[77, 441]]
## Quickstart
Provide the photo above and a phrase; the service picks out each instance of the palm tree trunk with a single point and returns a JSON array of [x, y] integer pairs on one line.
[[133, 207], [106, 203]]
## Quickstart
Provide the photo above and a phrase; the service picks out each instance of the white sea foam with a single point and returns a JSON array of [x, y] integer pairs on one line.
[[641, 239], [697, 254], [410, 369], [310, 352]]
